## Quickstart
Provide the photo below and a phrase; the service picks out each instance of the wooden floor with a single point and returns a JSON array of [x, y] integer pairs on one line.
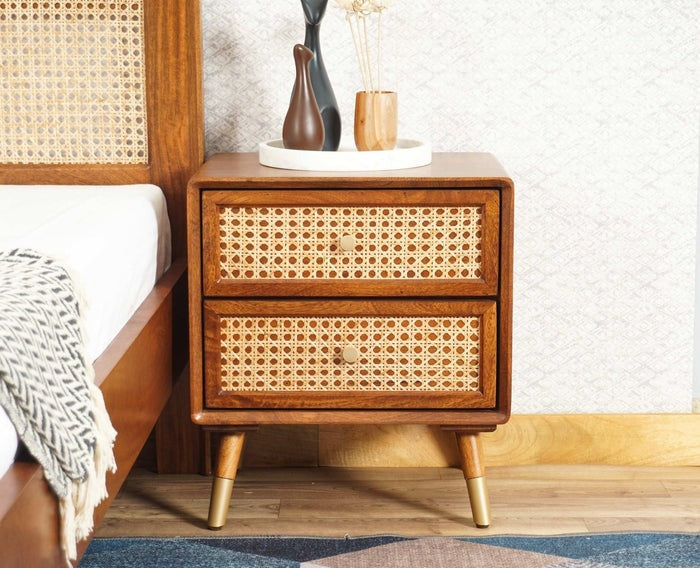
[[423, 501]]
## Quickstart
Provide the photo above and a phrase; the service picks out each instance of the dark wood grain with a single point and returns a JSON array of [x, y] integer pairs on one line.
[[28, 519], [135, 372], [219, 297], [449, 169], [83, 174], [239, 178], [179, 442], [175, 115], [357, 399], [135, 376], [480, 420], [486, 285], [505, 304], [471, 454], [194, 283]]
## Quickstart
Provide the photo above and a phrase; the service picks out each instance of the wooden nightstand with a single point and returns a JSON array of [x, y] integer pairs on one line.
[[350, 298]]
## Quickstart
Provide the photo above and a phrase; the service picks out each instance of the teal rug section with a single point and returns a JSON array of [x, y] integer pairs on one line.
[[628, 550]]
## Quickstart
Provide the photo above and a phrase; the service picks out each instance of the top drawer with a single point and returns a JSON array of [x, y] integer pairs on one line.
[[350, 242]]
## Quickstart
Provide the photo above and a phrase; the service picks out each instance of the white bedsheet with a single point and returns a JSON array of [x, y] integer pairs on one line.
[[114, 240]]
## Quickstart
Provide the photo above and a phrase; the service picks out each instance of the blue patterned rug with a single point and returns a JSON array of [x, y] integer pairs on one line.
[[628, 550]]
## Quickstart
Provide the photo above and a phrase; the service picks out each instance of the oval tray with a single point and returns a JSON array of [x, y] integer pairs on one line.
[[407, 154]]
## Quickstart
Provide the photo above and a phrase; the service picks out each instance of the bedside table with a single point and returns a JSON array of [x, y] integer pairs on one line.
[[350, 298]]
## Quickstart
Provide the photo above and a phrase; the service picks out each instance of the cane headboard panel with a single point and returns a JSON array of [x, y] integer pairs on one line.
[[102, 93], [73, 83]]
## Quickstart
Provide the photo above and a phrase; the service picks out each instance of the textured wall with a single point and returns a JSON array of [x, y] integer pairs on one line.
[[592, 109]]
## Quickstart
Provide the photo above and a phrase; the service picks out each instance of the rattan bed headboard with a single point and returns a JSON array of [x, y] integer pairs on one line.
[[102, 93]]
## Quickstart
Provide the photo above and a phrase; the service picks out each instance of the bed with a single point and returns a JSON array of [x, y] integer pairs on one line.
[[113, 271], [95, 95]]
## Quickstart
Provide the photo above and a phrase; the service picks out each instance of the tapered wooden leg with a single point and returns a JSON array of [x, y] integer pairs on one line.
[[472, 456], [230, 449]]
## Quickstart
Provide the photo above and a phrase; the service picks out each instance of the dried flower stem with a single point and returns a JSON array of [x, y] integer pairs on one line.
[[357, 51], [368, 57], [363, 9], [369, 65], [379, 51]]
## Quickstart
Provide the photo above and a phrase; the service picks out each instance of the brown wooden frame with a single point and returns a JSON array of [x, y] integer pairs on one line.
[[136, 371], [216, 398], [487, 285], [447, 171]]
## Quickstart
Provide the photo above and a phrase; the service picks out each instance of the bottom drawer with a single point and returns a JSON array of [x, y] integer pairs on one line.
[[350, 354]]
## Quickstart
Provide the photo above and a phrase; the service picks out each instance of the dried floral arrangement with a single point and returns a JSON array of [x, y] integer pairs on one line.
[[357, 12]]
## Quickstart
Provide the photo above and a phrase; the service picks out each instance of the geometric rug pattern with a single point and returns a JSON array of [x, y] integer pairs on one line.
[[626, 550]]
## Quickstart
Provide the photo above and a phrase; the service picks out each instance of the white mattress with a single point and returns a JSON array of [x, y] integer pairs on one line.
[[114, 241]]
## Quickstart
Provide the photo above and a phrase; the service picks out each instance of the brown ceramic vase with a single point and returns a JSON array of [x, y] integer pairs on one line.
[[303, 125]]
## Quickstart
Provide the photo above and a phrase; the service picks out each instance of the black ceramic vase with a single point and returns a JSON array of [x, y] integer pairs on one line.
[[325, 98]]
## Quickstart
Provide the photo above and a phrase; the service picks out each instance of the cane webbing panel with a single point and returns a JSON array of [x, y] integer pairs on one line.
[[400, 354], [391, 242], [72, 83]]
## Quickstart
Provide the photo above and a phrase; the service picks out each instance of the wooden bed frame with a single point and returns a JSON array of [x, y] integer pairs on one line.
[[137, 371]]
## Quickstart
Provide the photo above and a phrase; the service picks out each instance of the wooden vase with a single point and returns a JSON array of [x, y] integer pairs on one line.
[[375, 120], [303, 126]]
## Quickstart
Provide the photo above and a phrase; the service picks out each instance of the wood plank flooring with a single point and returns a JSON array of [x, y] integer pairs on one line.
[[335, 502]]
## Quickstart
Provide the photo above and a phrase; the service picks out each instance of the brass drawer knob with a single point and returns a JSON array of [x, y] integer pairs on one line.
[[350, 354], [348, 242]]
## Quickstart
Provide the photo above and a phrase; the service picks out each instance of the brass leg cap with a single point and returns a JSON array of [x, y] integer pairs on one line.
[[218, 505], [479, 500]]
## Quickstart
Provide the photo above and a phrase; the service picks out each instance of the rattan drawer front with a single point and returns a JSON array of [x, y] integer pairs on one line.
[[424, 359], [350, 242], [364, 249]]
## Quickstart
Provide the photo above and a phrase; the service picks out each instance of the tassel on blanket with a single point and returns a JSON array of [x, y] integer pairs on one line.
[[47, 388], [77, 510]]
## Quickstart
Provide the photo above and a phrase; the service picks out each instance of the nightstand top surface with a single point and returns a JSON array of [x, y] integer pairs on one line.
[[451, 169]]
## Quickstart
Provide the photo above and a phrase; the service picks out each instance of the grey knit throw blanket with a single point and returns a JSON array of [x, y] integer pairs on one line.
[[47, 387]]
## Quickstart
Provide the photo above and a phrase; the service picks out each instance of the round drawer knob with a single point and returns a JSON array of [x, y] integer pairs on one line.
[[348, 242], [350, 354]]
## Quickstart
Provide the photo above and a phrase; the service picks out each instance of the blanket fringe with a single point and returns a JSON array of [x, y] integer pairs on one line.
[[78, 508], [77, 498]]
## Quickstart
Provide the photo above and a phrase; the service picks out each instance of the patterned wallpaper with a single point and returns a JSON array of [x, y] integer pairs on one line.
[[592, 108]]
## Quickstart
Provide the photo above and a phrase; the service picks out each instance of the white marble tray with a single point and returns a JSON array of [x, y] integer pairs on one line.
[[407, 154]]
